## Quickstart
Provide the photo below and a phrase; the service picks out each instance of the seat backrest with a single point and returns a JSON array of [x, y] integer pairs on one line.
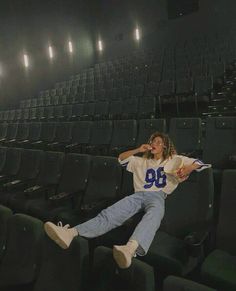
[[81, 132], [3, 130], [12, 130], [226, 231], [42, 113], [77, 110], [152, 88], [115, 108], [220, 142], [33, 113], [11, 115], [49, 112], [147, 107], [63, 132], [1, 115], [5, 214], [62, 270], [75, 173], [186, 134], [101, 109], [190, 206], [101, 132], [89, 109], [130, 107], [127, 185], [172, 283], [26, 113], [3, 154], [124, 133], [138, 277], [58, 111], [22, 131], [23, 250], [48, 131], [51, 168], [104, 180], [147, 127], [166, 88], [203, 85], [67, 111], [30, 164], [34, 131], [13, 159]]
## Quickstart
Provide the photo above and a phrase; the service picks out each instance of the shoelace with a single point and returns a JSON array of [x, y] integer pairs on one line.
[[61, 225]]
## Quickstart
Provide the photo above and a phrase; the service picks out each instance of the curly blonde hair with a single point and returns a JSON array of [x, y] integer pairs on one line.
[[169, 148]]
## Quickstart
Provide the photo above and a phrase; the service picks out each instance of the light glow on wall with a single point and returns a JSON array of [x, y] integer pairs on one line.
[[26, 60], [50, 52], [100, 46], [137, 34], [70, 46]]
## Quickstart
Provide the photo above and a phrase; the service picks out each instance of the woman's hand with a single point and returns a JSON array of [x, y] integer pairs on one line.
[[184, 172], [144, 147]]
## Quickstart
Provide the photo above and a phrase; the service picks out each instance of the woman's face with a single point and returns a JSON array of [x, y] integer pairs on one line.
[[157, 145]]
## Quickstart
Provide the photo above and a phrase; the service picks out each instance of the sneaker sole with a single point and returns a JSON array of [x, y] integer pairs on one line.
[[120, 258], [52, 233]]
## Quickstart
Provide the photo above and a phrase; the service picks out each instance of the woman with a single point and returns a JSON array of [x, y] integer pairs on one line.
[[155, 175]]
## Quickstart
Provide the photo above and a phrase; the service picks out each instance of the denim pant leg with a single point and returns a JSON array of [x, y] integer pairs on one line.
[[112, 216], [147, 227]]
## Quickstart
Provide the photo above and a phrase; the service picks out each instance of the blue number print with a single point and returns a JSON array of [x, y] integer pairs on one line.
[[150, 178], [158, 177]]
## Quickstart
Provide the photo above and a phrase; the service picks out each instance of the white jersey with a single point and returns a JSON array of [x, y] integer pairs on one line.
[[149, 175]]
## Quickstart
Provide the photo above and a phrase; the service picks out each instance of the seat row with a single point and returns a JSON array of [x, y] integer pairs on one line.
[[201, 86], [41, 265], [107, 137], [131, 108], [53, 178], [143, 72], [169, 67], [34, 263], [96, 137], [186, 238]]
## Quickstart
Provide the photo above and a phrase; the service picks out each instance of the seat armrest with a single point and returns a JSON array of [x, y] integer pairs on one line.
[[195, 242], [37, 142], [95, 207], [34, 191], [53, 144], [62, 195], [71, 145], [13, 184], [61, 199], [33, 188], [24, 141], [197, 238]]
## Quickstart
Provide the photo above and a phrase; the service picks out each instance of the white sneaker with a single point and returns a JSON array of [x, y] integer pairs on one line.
[[62, 235], [123, 254]]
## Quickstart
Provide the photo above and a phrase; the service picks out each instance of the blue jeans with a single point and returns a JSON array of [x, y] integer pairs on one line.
[[153, 204]]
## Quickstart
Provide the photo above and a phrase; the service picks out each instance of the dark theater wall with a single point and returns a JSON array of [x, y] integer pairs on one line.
[[31, 25], [119, 18]]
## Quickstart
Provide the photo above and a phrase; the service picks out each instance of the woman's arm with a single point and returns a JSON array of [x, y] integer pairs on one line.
[[143, 148], [186, 170]]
